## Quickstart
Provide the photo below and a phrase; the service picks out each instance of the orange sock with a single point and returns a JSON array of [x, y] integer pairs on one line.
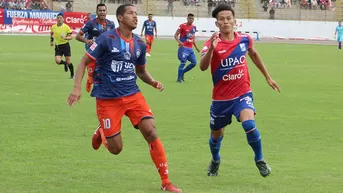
[[158, 155], [103, 138]]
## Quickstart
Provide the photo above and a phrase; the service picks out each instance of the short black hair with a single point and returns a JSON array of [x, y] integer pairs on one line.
[[121, 9], [190, 15], [100, 5], [150, 14], [60, 14], [222, 7]]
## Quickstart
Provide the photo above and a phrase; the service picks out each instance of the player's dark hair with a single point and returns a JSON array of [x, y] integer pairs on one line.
[[222, 7], [100, 5], [122, 8], [60, 14], [150, 14], [190, 15]]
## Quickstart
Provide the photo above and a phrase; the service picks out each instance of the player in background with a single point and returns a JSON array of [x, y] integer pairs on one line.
[[120, 57], [149, 26], [339, 31], [226, 53], [89, 17], [94, 28], [60, 35], [185, 35]]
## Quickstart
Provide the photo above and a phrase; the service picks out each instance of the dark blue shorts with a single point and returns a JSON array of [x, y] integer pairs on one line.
[[185, 54], [221, 111]]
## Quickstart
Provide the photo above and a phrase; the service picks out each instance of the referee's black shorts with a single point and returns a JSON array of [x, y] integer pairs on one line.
[[63, 49]]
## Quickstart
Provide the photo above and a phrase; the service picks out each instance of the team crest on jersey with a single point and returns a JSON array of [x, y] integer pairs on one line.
[[127, 55], [243, 48], [93, 46], [138, 53]]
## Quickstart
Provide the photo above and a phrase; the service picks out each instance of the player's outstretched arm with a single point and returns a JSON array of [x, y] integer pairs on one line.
[[75, 95], [256, 58], [79, 37], [145, 76]]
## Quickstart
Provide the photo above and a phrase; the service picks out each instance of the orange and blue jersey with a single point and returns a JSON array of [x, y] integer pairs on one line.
[[229, 67], [94, 28], [149, 27], [187, 34], [116, 60]]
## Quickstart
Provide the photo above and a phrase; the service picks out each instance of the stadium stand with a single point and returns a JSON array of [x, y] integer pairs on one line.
[[312, 10]]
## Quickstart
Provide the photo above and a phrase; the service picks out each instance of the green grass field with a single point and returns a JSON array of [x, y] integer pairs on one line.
[[45, 146]]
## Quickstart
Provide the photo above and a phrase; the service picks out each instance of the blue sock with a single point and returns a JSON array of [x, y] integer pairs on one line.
[[254, 138], [189, 67], [215, 147], [180, 71], [340, 45]]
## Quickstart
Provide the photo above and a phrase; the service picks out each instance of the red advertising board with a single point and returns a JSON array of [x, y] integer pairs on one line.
[[75, 19], [2, 16]]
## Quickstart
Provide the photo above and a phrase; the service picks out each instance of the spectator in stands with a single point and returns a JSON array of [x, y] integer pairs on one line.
[[170, 6], [69, 6], [265, 5], [210, 4], [272, 13], [3, 4], [22, 5]]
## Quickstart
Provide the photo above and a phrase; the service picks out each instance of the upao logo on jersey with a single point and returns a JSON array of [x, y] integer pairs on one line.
[[121, 66], [231, 62], [228, 77]]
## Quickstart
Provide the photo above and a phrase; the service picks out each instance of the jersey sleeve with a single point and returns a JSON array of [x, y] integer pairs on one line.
[[155, 25], [251, 42], [86, 27], [98, 48], [69, 31], [141, 61], [206, 47]]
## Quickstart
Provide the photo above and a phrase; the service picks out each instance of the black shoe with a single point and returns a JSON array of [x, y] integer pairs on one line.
[[213, 168], [264, 168]]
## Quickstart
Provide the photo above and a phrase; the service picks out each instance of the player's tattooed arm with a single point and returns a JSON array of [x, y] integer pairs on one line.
[[79, 37], [256, 58], [75, 95], [176, 36], [145, 76]]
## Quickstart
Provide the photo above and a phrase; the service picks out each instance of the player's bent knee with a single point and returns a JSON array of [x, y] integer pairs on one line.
[[115, 150], [252, 132], [217, 134], [248, 125], [147, 128]]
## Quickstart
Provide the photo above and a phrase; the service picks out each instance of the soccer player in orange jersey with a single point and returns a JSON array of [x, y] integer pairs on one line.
[[120, 58]]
